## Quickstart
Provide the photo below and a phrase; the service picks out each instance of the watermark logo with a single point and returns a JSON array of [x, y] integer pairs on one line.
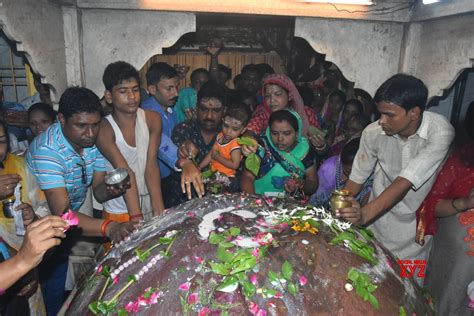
[[409, 268]]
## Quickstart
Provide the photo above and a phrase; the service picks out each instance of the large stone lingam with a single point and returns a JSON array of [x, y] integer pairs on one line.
[[248, 255]]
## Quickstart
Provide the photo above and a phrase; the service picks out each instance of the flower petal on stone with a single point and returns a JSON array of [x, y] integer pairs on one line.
[[261, 312], [132, 307], [255, 252], [303, 280], [253, 308], [204, 311], [185, 286], [193, 298], [253, 279]]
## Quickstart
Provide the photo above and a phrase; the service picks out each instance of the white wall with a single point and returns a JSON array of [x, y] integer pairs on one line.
[[37, 27], [366, 52], [445, 48], [130, 35]]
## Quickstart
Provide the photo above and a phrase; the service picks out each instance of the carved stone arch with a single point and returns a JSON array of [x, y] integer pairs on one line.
[[112, 35], [359, 48], [39, 36]]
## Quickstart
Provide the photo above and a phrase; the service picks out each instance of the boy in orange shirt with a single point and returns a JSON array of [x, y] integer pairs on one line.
[[226, 154]]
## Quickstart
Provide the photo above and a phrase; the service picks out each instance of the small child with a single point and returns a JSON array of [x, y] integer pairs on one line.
[[226, 154]]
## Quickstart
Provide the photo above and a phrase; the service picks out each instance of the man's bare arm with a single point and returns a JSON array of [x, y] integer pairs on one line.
[[152, 170], [106, 144]]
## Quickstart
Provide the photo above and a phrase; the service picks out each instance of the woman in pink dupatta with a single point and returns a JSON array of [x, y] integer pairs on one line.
[[284, 86]]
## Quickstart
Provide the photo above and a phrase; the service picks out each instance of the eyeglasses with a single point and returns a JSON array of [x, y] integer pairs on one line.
[[83, 171]]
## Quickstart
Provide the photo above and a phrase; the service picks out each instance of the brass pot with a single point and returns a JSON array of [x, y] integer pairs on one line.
[[338, 199]]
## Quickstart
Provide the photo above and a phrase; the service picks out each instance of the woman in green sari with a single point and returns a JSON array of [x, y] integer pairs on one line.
[[288, 165]]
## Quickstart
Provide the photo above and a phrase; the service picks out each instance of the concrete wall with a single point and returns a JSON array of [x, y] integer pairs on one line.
[[366, 52], [71, 45], [37, 27], [133, 36], [444, 48]]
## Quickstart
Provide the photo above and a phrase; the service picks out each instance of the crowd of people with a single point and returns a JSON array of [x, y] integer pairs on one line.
[[265, 137]]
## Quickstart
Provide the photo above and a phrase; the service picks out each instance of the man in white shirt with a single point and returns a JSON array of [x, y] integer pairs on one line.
[[405, 149]]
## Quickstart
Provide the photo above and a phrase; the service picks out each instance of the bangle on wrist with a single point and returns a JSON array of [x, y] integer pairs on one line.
[[139, 215], [321, 147], [458, 210], [103, 227], [182, 162]]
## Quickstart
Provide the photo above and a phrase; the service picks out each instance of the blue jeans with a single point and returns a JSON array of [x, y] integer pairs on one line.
[[53, 272]]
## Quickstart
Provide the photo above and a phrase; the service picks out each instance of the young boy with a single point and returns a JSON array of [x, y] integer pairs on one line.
[[226, 155], [130, 138]]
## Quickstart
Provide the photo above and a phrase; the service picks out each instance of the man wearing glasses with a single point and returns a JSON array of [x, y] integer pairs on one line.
[[65, 162]]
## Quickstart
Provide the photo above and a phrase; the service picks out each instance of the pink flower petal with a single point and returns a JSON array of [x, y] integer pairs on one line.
[[271, 304], [185, 286], [253, 308], [303, 280], [255, 252], [191, 214], [132, 307], [261, 312], [204, 311], [193, 298], [199, 260], [71, 217], [253, 279], [278, 295], [258, 201], [99, 269], [154, 298], [115, 280]]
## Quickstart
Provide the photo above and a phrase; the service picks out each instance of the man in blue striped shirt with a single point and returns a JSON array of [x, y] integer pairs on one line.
[[65, 162]]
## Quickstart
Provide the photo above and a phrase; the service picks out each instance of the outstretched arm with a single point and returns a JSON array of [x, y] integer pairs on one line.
[[152, 170], [247, 182], [206, 160], [40, 236]]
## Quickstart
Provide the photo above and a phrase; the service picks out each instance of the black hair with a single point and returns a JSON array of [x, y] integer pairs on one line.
[[199, 71], [306, 94], [264, 69], [117, 72], [79, 100], [3, 124], [238, 96], [212, 90], [238, 111], [158, 71], [45, 108], [349, 151], [284, 115], [469, 120], [338, 93], [238, 80], [403, 90], [357, 104], [250, 67], [226, 70], [361, 120]]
